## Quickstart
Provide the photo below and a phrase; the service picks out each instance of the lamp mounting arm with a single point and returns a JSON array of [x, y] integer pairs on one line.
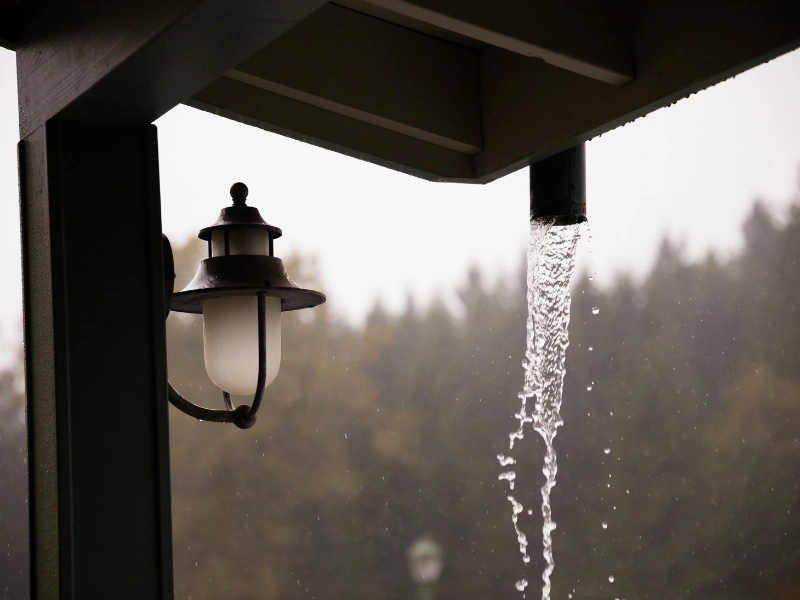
[[242, 416]]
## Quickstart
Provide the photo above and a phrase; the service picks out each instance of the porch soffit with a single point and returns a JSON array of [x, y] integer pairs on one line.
[[470, 90], [455, 90]]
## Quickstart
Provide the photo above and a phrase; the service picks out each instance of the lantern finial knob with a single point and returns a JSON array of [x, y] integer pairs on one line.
[[239, 194]]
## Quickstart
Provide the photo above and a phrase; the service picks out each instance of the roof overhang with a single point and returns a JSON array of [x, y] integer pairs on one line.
[[469, 90], [455, 90]]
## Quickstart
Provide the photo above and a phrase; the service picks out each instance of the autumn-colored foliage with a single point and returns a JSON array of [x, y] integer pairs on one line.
[[373, 435]]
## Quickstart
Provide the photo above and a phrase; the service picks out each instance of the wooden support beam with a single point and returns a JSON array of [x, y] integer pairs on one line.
[[130, 62], [588, 37], [95, 363], [375, 72], [308, 123]]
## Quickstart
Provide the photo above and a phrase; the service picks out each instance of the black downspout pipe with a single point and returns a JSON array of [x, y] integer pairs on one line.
[[558, 187]]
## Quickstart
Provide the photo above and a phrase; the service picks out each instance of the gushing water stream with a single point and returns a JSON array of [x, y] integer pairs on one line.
[[551, 262]]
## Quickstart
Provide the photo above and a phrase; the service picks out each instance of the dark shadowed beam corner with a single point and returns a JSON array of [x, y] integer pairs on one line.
[[131, 62], [8, 23]]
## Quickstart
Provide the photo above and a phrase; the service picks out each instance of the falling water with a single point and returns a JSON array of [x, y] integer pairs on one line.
[[551, 261]]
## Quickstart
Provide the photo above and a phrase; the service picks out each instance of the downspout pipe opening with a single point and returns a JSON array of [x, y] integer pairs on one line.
[[558, 188]]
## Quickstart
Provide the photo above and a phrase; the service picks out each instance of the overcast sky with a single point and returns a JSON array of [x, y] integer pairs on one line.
[[691, 170]]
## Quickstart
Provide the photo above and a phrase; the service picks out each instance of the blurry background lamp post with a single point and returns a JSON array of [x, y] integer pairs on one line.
[[425, 563], [241, 290]]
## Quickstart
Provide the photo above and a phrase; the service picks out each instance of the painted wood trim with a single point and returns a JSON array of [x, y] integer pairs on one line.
[[367, 69], [39, 324], [588, 37]]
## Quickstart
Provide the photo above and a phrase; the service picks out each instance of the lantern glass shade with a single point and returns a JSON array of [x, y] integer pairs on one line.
[[230, 341], [240, 241]]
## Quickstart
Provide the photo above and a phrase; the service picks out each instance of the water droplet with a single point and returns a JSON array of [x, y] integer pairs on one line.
[[591, 348], [509, 476], [521, 584], [505, 460], [530, 511], [611, 579], [345, 436], [607, 450], [588, 388], [595, 310], [605, 525]]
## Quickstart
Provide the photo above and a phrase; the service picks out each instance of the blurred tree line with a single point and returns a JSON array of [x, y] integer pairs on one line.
[[679, 471]]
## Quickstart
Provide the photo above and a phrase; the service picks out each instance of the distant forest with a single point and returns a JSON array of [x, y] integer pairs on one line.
[[374, 435]]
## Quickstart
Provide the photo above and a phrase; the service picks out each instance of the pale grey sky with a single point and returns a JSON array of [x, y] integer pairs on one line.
[[690, 170]]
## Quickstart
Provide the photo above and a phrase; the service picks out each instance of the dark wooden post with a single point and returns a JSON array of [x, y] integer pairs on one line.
[[91, 237], [95, 363]]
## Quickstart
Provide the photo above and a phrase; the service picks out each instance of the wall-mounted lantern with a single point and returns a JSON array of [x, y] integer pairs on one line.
[[241, 290]]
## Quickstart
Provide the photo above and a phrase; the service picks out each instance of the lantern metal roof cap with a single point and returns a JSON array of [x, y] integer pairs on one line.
[[239, 215], [242, 274]]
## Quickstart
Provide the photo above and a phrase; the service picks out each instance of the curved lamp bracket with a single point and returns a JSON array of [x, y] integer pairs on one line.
[[243, 416]]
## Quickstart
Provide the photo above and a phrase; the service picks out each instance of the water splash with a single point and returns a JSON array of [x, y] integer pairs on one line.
[[551, 262], [509, 476], [506, 460], [522, 539]]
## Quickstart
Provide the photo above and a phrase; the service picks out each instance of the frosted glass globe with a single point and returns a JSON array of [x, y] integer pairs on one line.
[[240, 241], [230, 341]]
